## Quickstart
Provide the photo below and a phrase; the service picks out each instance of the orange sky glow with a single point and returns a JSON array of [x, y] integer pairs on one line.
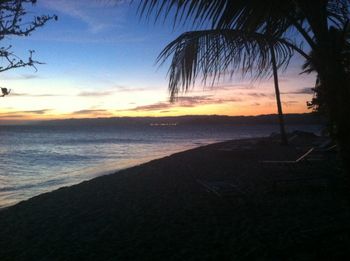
[[99, 62]]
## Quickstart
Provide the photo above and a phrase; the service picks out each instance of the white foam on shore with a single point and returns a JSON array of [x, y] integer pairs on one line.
[[85, 174]]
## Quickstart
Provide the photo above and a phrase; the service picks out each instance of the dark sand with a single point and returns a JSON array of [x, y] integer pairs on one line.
[[159, 211]]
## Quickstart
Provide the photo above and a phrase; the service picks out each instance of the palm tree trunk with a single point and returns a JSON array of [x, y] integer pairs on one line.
[[284, 140]]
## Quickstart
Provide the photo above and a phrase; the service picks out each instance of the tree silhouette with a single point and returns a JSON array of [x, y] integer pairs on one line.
[[291, 26], [340, 48], [14, 22], [4, 92], [213, 52], [284, 139]]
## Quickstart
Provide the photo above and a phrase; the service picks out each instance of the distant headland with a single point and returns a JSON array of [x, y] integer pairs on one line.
[[186, 120]]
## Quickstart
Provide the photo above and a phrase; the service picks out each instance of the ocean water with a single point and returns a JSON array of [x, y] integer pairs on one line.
[[38, 159]]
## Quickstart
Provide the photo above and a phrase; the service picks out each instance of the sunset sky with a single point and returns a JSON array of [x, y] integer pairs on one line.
[[100, 62]]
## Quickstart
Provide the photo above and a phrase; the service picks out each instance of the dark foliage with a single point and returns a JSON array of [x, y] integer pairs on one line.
[[14, 22], [319, 26]]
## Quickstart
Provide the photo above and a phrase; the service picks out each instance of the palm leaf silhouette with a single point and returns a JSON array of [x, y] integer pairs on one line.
[[213, 53]]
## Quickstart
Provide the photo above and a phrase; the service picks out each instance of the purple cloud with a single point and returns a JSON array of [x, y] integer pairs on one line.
[[104, 112], [184, 101]]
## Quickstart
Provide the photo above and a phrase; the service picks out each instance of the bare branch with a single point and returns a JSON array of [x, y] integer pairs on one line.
[[14, 22]]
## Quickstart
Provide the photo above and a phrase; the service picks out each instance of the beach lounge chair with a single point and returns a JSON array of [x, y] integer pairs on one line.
[[311, 169], [320, 153], [301, 159], [221, 188]]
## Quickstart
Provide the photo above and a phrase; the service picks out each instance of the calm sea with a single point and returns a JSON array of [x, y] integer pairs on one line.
[[37, 159]]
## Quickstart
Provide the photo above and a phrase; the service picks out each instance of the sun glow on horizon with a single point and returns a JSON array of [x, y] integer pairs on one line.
[[102, 65]]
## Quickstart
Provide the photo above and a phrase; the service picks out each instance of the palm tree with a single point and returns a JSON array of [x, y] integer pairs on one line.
[[218, 50], [213, 52], [333, 101], [232, 59], [284, 139]]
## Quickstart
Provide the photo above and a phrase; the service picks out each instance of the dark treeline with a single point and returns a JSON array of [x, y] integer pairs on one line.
[[307, 118]]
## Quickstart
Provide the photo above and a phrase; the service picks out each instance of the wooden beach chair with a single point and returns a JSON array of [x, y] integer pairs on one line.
[[323, 153], [287, 163], [221, 188], [311, 169], [312, 155]]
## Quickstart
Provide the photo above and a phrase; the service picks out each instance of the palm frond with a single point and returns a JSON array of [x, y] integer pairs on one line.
[[223, 14], [210, 54], [339, 47], [338, 12], [240, 14]]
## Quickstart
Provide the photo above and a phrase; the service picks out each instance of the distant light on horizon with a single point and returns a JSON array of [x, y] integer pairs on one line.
[[99, 64]]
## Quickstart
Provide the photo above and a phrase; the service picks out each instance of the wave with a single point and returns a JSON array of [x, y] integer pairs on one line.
[[45, 184], [100, 141], [35, 160]]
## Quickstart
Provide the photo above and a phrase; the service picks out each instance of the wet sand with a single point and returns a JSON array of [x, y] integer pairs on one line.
[[217, 202]]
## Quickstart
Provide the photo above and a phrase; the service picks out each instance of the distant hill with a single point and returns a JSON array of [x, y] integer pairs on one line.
[[306, 118]]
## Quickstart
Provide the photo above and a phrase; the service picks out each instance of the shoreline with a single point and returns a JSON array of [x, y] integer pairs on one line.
[[163, 209], [93, 172], [98, 174]]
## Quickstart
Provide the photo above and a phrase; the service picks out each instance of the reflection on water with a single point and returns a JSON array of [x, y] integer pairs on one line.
[[37, 159]]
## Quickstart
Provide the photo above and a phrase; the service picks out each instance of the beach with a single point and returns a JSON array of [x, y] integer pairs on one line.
[[237, 147], [37, 159], [215, 202]]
